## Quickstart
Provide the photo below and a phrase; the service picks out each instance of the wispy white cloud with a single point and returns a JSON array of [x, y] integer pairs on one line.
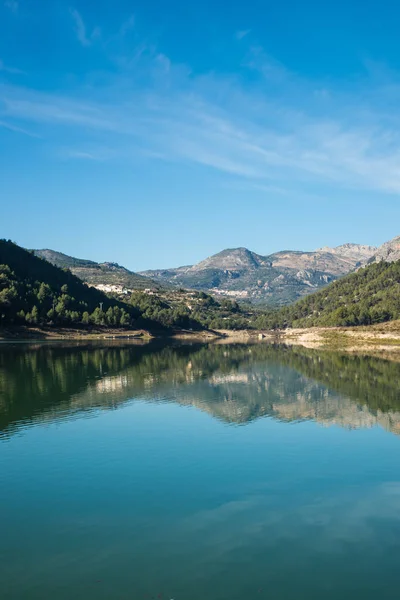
[[245, 186], [13, 5], [93, 154], [277, 129], [81, 155], [272, 70], [39, 107], [127, 26], [11, 70], [242, 33], [16, 129], [80, 29]]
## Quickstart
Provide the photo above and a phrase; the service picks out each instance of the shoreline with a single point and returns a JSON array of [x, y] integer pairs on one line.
[[384, 337], [38, 334]]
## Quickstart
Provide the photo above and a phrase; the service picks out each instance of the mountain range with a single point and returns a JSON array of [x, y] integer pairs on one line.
[[238, 273], [276, 279]]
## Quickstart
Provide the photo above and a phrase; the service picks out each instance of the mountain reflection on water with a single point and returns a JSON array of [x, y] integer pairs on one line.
[[234, 383]]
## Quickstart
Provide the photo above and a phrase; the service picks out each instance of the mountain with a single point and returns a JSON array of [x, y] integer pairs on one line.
[[100, 275], [389, 252], [276, 279], [368, 296], [357, 252], [234, 259]]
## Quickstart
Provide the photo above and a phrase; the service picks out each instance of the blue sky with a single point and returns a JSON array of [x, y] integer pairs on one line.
[[155, 134]]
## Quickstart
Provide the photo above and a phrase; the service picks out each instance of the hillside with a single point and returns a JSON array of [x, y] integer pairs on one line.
[[371, 295], [102, 275], [33, 291], [276, 279]]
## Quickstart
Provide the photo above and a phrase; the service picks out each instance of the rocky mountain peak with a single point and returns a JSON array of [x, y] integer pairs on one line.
[[357, 252], [231, 259], [389, 251]]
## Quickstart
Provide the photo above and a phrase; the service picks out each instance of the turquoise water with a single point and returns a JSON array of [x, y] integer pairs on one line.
[[197, 472]]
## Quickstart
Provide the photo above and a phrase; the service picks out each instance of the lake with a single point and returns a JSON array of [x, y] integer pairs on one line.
[[197, 472]]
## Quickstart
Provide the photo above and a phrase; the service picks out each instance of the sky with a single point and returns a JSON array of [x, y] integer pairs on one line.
[[155, 134]]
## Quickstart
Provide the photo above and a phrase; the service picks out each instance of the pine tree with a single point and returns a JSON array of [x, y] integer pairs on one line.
[[35, 315]]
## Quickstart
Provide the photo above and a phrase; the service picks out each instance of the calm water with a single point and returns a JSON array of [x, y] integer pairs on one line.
[[198, 473]]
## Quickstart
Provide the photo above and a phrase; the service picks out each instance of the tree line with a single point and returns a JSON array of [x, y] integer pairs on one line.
[[35, 292]]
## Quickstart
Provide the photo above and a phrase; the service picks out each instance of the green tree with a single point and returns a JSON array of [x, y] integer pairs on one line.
[[44, 292], [125, 319], [35, 315], [98, 317]]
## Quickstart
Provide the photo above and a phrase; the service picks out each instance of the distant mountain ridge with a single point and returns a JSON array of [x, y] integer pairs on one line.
[[358, 252], [101, 275], [238, 273], [389, 251], [278, 278]]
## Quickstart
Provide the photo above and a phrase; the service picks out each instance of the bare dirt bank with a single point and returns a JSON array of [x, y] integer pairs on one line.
[[61, 333], [384, 337], [97, 333]]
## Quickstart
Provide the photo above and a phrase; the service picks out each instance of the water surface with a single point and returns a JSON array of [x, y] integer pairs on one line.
[[197, 472]]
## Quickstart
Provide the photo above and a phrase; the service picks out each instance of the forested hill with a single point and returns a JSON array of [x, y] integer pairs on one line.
[[371, 295], [33, 291]]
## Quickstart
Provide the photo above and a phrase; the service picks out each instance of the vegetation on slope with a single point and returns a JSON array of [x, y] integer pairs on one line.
[[35, 292], [197, 310], [369, 296]]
